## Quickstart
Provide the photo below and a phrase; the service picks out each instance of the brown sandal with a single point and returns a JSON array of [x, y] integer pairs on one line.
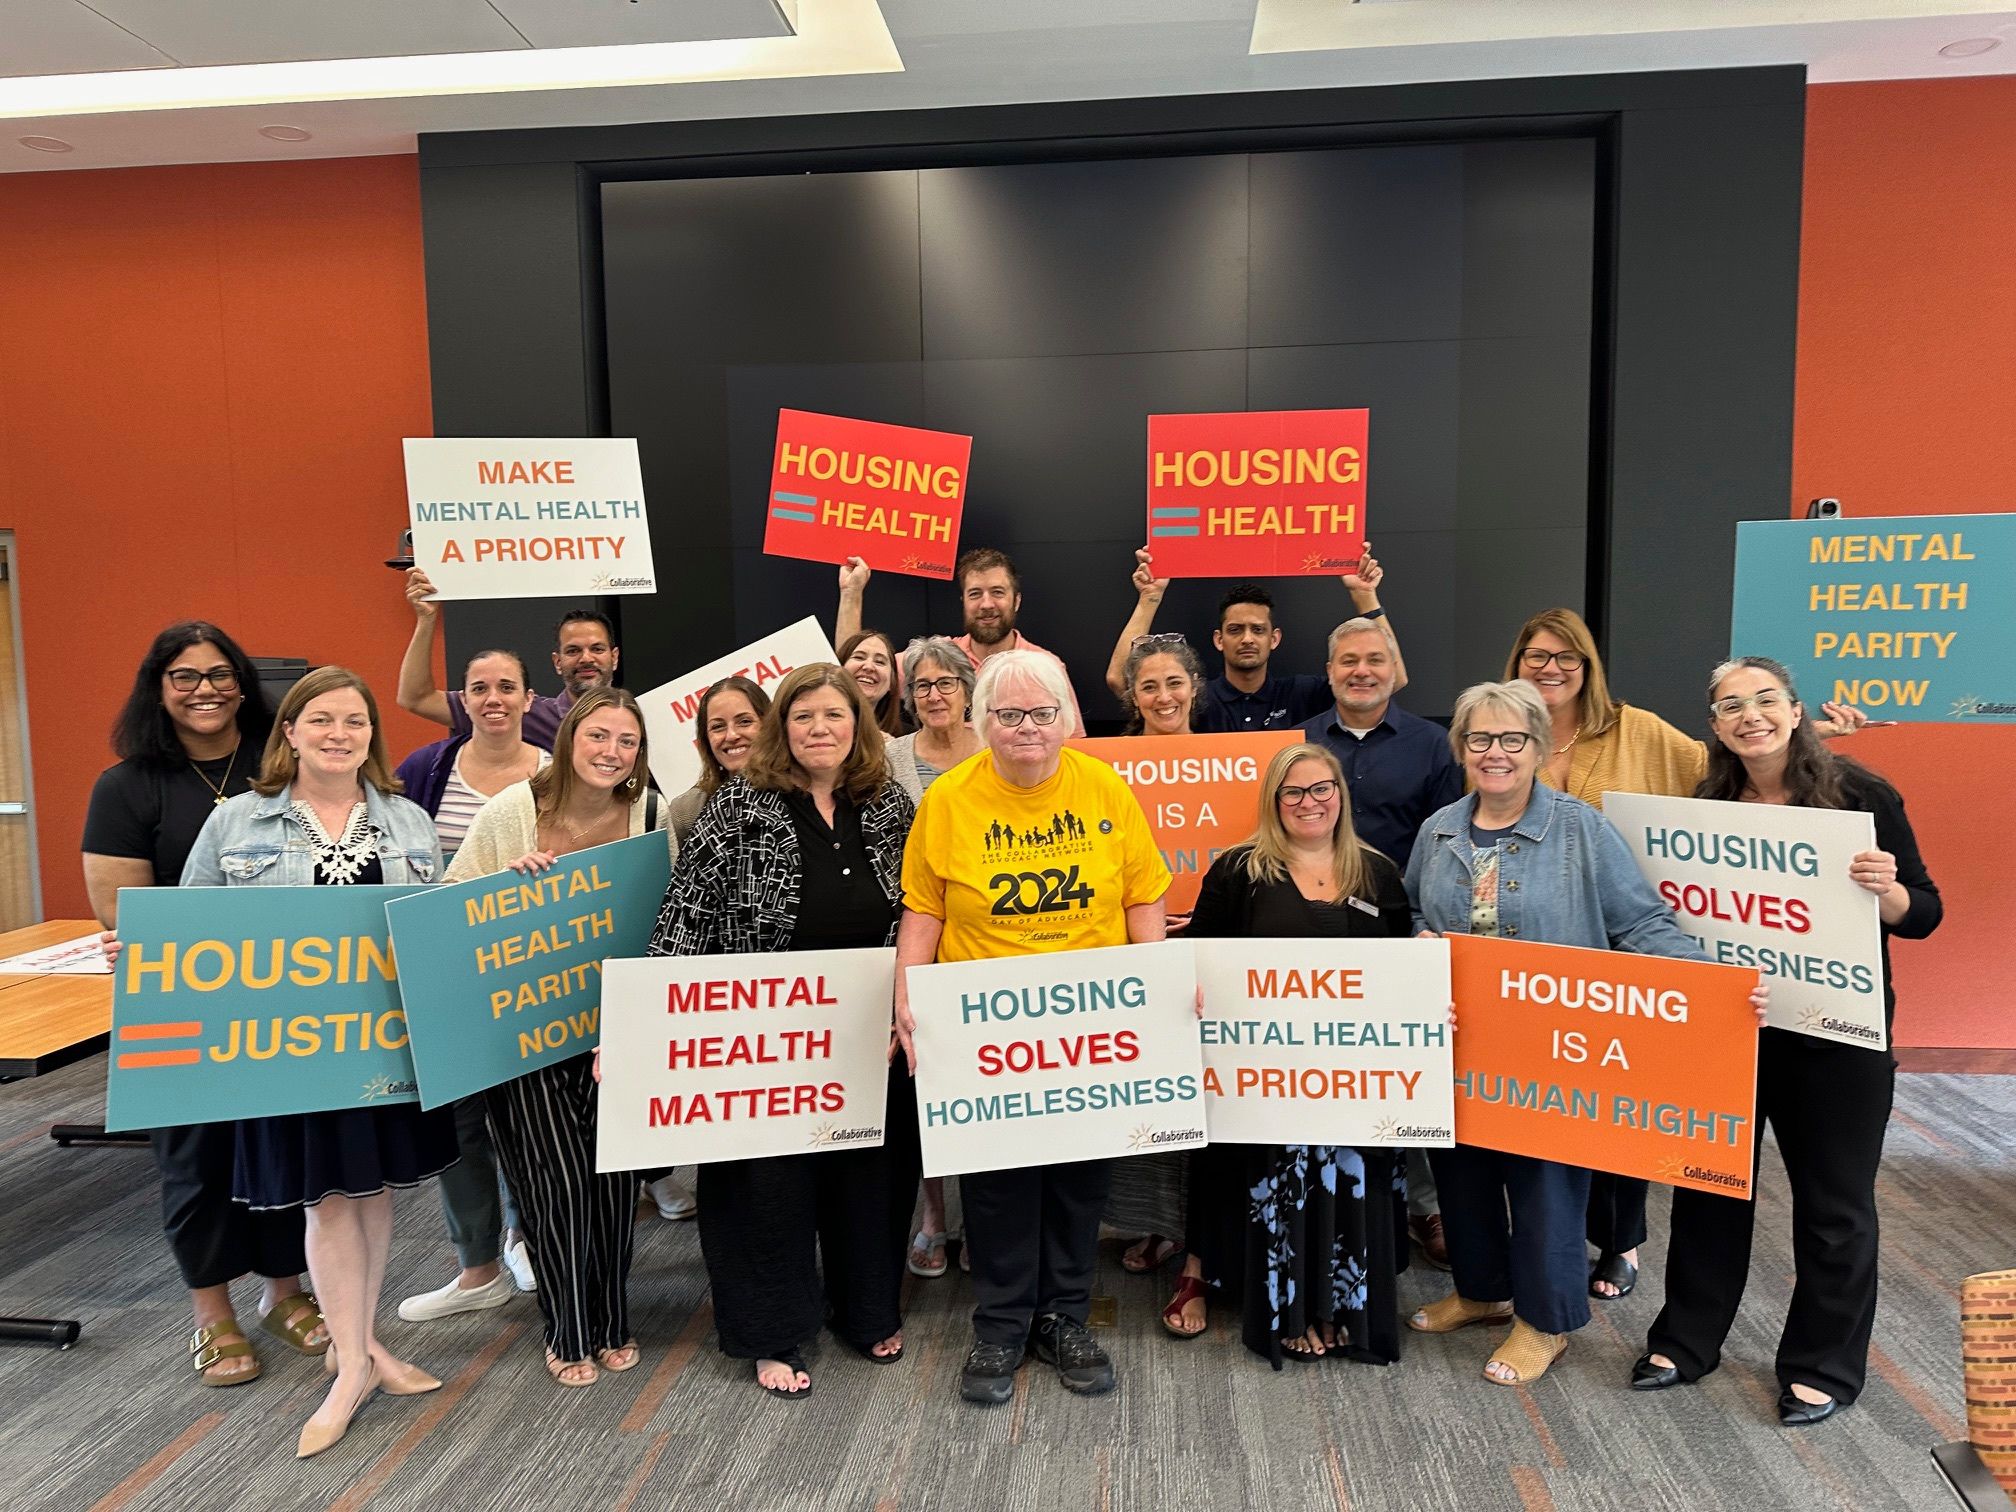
[[1458, 1311], [1528, 1352], [1188, 1289], [623, 1357], [292, 1319], [206, 1353], [557, 1368]]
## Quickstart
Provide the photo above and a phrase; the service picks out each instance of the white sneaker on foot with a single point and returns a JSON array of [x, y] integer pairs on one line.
[[518, 1261], [674, 1201], [456, 1298]]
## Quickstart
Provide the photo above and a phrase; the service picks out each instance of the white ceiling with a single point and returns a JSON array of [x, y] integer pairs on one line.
[[952, 52]]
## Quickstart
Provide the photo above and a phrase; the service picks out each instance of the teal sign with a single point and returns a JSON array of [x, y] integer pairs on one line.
[[249, 1002], [1911, 617], [503, 975]]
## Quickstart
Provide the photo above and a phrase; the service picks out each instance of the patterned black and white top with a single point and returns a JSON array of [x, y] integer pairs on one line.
[[735, 889]]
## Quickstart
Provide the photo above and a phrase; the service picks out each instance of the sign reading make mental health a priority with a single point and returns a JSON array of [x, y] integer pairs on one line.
[[672, 710], [889, 494], [1634, 1064], [251, 1002], [1910, 618], [1766, 886], [503, 974], [1278, 493], [1337, 1042], [1076, 1055], [523, 518], [736, 1057]]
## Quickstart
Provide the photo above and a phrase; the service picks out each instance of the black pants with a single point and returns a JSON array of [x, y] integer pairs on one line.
[[214, 1239], [1034, 1236], [1829, 1105], [1616, 1212]]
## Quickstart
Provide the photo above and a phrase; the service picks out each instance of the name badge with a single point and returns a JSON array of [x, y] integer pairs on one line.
[[1362, 906]]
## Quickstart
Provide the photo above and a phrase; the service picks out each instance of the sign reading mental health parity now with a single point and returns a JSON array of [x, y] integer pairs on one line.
[[523, 518], [889, 494], [503, 974], [672, 710], [251, 1002], [1276, 493]]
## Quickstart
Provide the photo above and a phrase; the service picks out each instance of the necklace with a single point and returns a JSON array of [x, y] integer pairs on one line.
[[217, 788], [341, 857], [577, 834]]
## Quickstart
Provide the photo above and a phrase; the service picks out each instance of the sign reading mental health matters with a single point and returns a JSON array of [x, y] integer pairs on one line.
[[1765, 886], [1337, 1042], [251, 1002], [1076, 1055], [671, 710], [736, 1057], [1635, 1064], [523, 518], [1277, 493], [503, 974], [889, 494], [1201, 794], [1910, 618]]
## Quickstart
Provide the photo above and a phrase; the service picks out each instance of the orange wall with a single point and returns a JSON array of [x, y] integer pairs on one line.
[[1907, 388], [204, 376]]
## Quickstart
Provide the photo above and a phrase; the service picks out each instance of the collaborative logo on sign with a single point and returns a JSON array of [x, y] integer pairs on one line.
[[1980, 708]]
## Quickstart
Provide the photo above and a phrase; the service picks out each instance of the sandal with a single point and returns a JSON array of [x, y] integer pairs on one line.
[[867, 1352], [623, 1357], [794, 1360], [206, 1353], [293, 1318], [1528, 1352], [558, 1369], [1188, 1289], [927, 1256], [1616, 1270], [1298, 1347], [1148, 1254], [1457, 1311]]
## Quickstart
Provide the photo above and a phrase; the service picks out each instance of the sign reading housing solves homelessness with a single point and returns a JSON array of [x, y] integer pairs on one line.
[[1076, 1055], [671, 710], [889, 494], [1765, 886], [739, 1056], [1336, 1042], [250, 1002], [503, 974]]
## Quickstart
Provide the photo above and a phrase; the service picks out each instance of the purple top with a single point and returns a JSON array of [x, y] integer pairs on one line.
[[542, 720]]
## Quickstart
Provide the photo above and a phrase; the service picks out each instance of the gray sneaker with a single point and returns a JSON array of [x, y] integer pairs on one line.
[[1081, 1364], [988, 1377]]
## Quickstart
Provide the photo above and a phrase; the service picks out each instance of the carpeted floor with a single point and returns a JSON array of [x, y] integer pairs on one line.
[[118, 1424]]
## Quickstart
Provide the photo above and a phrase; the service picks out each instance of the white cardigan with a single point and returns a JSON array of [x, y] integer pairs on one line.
[[507, 827]]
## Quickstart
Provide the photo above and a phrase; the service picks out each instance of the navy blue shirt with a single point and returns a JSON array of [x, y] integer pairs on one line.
[[1281, 703], [1399, 773]]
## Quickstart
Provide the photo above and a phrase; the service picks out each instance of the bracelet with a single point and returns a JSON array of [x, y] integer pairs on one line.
[[1377, 612]]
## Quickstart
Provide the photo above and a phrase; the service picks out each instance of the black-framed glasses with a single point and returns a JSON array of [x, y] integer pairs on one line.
[[1045, 714], [188, 679], [1159, 638], [1480, 741], [944, 687], [1763, 698], [1322, 792], [1534, 659]]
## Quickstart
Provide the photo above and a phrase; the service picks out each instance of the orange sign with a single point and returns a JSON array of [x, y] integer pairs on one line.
[[889, 494], [1201, 794], [1636, 1064]]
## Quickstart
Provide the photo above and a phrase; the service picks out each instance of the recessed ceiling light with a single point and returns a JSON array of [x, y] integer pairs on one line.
[[1973, 47], [285, 133], [46, 143]]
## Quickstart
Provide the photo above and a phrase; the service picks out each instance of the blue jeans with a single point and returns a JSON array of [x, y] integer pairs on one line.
[[474, 1198], [1537, 1260]]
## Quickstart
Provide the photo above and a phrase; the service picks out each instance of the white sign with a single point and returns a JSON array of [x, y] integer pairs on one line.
[[1762, 885], [79, 957], [739, 1056], [672, 709], [1329, 1042], [1077, 1055], [524, 518]]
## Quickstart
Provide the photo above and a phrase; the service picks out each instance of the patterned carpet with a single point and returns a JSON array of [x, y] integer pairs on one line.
[[119, 1425]]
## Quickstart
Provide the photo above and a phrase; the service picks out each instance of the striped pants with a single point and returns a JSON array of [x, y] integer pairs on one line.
[[578, 1224]]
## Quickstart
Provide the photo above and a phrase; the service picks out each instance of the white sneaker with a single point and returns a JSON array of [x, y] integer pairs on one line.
[[454, 1298], [674, 1201], [518, 1261]]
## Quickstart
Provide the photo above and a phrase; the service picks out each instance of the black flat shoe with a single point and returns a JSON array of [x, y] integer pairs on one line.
[[1616, 1270], [1793, 1413], [1646, 1376]]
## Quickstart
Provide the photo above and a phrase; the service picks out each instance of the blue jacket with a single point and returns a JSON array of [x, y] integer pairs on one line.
[[254, 841], [424, 775], [1565, 878]]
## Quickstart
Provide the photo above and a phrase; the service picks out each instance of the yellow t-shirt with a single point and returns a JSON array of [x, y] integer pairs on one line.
[[1022, 871]]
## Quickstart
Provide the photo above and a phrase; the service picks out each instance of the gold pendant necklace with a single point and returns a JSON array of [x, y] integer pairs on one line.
[[217, 788]]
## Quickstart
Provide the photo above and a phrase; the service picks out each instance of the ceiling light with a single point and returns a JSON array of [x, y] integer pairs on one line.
[[45, 143], [1973, 47], [285, 133]]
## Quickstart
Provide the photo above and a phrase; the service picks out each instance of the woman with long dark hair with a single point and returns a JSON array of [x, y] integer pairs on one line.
[[869, 657], [725, 725]]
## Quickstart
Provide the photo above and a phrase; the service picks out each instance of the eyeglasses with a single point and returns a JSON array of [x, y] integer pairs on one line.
[[188, 679], [1160, 638], [1321, 792], [1763, 699], [1535, 658], [1009, 718], [1480, 741], [944, 687]]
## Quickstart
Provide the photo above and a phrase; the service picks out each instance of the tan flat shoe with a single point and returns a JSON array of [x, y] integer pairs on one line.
[[1528, 1352], [315, 1437], [1457, 1311]]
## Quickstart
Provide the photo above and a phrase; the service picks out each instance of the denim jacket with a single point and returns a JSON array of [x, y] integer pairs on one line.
[[253, 841], [1565, 877]]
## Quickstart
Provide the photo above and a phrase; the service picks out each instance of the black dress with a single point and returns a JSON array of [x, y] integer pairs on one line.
[[1302, 1235], [299, 1158]]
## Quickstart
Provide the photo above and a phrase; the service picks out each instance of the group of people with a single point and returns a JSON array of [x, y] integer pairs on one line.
[[850, 805]]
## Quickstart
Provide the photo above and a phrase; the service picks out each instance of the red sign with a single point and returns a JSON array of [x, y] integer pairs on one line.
[[889, 494], [1276, 493]]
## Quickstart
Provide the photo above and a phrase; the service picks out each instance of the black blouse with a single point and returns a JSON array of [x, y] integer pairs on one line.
[[841, 905], [1230, 903]]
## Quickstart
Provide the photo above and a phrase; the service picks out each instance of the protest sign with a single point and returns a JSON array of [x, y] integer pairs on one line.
[[1076, 1055], [733, 1057], [503, 974], [1332, 1042], [528, 518], [250, 1002], [1910, 618], [889, 494], [1275, 493], [1767, 886], [672, 709], [82, 956], [1640, 1065], [1201, 794]]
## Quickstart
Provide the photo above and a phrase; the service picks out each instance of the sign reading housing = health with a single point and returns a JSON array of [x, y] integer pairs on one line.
[[890, 494]]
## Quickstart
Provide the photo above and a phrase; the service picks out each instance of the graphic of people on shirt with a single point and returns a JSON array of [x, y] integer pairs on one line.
[[1003, 836]]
